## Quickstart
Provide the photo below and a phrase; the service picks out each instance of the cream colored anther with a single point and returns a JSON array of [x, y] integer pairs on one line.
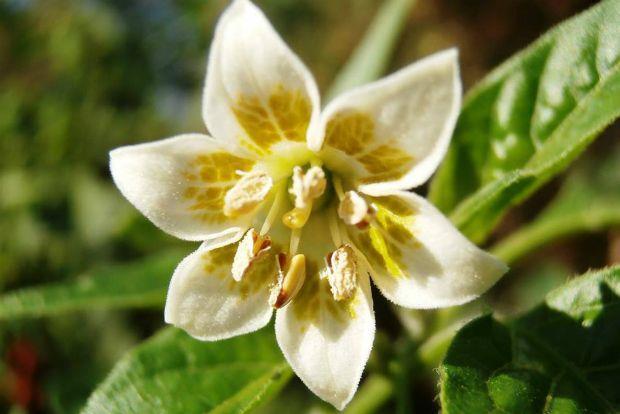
[[251, 248], [291, 278], [353, 209], [247, 193], [342, 272]]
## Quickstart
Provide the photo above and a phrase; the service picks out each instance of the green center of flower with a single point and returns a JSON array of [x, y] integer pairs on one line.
[[311, 189]]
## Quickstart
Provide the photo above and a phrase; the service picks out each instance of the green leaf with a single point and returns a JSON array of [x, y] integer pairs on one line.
[[174, 373], [589, 201], [139, 284], [528, 119], [372, 56], [561, 357]]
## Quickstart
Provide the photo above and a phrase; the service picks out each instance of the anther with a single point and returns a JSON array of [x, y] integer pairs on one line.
[[342, 272], [247, 193], [291, 276], [353, 209], [251, 248]]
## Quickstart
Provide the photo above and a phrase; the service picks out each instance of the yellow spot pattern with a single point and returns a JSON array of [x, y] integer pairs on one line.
[[315, 297], [262, 273], [284, 115], [208, 178], [389, 234], [354, 134]]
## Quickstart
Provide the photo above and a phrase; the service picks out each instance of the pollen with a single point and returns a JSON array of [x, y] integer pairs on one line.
[[342, 272], [291, 277], [247, 193], [353, 209], [251, 248]]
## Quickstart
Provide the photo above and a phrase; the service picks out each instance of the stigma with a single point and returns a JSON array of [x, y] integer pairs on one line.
[[305, 189]]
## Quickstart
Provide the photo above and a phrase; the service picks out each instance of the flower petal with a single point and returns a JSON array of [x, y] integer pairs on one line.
[[327, 343], [205, 301], [179, 184], [392, 134], [418, 258], [257, 91]]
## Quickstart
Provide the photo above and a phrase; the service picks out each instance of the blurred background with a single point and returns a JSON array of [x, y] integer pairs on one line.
[[78, 78]]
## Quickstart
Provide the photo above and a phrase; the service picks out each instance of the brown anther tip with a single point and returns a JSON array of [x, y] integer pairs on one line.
[[281, 261], [362, 225], [290, 280]]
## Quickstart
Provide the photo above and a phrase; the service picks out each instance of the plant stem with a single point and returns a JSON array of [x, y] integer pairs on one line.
[[543, 231], [373, 54]]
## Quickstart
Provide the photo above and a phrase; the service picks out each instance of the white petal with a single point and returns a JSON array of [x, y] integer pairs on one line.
[[327, 343], [392, 134], [257, 91], [205, 301], [179, 184], [421, 260]]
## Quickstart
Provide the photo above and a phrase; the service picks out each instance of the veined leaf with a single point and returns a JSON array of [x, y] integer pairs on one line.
[[139, 284], [173, 373], [589, 201], [372, 56], [530, 118], [562, 357]]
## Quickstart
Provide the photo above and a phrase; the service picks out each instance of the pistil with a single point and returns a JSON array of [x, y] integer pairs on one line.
[[306, 188]]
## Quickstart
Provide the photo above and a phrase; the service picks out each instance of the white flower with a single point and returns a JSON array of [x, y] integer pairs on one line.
[[320, 197]]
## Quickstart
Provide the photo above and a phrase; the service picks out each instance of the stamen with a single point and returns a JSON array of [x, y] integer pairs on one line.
[[251, 248], [342, 272], [291, 278], [294, 243], [247, 193], [273, 212], [334, 229], [338, 187], [353, 209]]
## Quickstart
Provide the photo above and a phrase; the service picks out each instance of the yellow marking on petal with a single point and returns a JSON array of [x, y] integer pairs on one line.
[[207, 179], [284, 115], [354, 133], [381, 251], [315, 297], [398, 227], [220, 259], [390, 233], [385, 163], [351, 133], [218, 263]]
